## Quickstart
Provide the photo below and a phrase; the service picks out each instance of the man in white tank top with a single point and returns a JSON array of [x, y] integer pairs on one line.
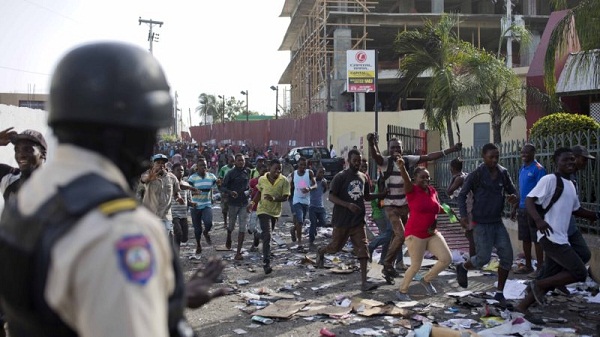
[[303, 181]]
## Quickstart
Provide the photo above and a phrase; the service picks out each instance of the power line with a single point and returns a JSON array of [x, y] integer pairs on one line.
[[51, 10], [24, 71]]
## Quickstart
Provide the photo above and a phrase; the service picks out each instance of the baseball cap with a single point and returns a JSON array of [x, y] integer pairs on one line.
[[159, 156], [31, 135], [580, 150], [260, 158]]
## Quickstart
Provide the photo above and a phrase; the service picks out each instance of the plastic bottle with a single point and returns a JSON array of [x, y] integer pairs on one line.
[[451, 215], [263, 320], [258, 303]]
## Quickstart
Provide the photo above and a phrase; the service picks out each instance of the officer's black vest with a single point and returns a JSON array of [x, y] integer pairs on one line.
[[26, 243]]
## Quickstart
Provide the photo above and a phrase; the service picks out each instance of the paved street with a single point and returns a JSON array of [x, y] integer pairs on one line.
[[294, 286]]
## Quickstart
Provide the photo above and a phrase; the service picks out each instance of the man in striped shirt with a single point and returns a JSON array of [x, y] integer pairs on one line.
[[203, 182], [180, 211]]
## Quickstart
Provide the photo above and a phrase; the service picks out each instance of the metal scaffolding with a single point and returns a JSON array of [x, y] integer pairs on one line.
[[310, 69]]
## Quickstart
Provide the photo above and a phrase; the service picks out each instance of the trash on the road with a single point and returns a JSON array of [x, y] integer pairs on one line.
[[242, 282], [261, 319], [325, 332], [281, 309], [518, 326], [240, 331], [368, 332], [323, 286]]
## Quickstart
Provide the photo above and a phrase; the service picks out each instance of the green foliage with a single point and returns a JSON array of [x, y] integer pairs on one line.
[[562, 123], [168, 137]]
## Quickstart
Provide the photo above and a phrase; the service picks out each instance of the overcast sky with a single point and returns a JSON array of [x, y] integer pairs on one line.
[[217, 47]]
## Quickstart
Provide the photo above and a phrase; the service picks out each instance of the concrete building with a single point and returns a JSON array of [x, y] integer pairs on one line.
[[32, 101], [321, 31]]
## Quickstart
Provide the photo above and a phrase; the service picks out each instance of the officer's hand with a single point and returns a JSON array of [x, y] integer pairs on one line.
[[198, 287], [233, 194], [6, 136]]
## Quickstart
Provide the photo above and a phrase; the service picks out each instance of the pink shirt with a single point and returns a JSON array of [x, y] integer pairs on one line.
[[424, 209]]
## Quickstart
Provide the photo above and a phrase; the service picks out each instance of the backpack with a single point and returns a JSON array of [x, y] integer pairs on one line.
[[560, 186], [388, 172]]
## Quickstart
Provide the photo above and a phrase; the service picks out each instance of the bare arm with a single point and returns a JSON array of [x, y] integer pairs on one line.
[[408, 185], [374, 149], [439, 154], [458, 181]]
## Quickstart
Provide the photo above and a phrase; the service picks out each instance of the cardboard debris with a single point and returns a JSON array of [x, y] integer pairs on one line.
[[281, 309]]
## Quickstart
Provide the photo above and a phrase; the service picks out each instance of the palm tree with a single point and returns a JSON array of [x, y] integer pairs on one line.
[[577, 29], [437, 52], [208, 106], [490, 80]]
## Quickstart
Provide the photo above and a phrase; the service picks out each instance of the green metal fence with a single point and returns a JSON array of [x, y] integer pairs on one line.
[[510, 157]]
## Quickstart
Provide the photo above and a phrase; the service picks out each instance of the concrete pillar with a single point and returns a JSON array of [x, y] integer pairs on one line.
[[528, 51], [437, 6], [342, 41]]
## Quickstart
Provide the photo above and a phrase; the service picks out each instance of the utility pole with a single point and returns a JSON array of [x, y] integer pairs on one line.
[[151, 36], [509, 33]]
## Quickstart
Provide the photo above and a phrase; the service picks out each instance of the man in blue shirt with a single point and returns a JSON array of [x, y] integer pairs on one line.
[[490, 183], [531, 172], [202, 213]]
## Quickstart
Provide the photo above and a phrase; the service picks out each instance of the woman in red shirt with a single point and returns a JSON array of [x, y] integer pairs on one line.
[[420, 232]]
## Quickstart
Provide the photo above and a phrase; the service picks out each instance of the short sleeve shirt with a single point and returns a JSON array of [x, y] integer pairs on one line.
[[528, 177], [350, 187], [159, 194], [395, 183], [424, 208], [559, 215], [203, 197], [279, 188]]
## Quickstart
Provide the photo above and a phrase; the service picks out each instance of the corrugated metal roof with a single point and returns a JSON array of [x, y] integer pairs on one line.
[[581, 74]]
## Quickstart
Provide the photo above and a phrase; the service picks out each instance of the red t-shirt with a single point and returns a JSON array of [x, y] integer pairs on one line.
[[424, 209]]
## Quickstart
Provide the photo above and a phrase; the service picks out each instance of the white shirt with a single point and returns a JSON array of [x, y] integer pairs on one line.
[[395, 183], [559, 215]]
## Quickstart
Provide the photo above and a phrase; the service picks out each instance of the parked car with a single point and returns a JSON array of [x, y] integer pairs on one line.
[[312, 153]]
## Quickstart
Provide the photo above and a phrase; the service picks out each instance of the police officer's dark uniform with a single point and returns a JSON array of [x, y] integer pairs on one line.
[[78, 255]]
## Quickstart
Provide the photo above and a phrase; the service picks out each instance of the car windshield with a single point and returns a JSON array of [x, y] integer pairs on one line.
[[308, 152]]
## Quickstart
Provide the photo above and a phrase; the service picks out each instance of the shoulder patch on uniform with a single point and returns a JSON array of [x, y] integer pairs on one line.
[[136, 260]]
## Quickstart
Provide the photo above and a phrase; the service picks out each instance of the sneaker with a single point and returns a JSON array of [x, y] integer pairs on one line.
[[320, 260], [293, 233], [254, 249], [256, 241], [403, 297], [198, 250], [461, 275], [400, 266], [429, 288], [238, 257], [267, 268], [388, 275], [502, 303], [538, 294]]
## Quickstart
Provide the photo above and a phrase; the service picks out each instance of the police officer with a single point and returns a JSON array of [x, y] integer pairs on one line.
[[78, 255]]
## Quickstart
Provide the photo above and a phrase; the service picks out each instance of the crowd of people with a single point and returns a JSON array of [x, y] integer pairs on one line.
[[86, 234]]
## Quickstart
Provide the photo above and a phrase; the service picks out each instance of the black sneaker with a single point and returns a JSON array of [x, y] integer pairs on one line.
[[461, 275], [502, 303], [256, 240], [388, 275], [267, 268], [293, 233]]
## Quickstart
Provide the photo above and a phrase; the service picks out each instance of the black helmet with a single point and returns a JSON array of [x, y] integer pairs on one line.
[[112, 84]]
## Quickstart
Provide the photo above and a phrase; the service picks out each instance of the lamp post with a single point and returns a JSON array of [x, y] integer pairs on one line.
[[245, 93], [223, 114], [276, 89]]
